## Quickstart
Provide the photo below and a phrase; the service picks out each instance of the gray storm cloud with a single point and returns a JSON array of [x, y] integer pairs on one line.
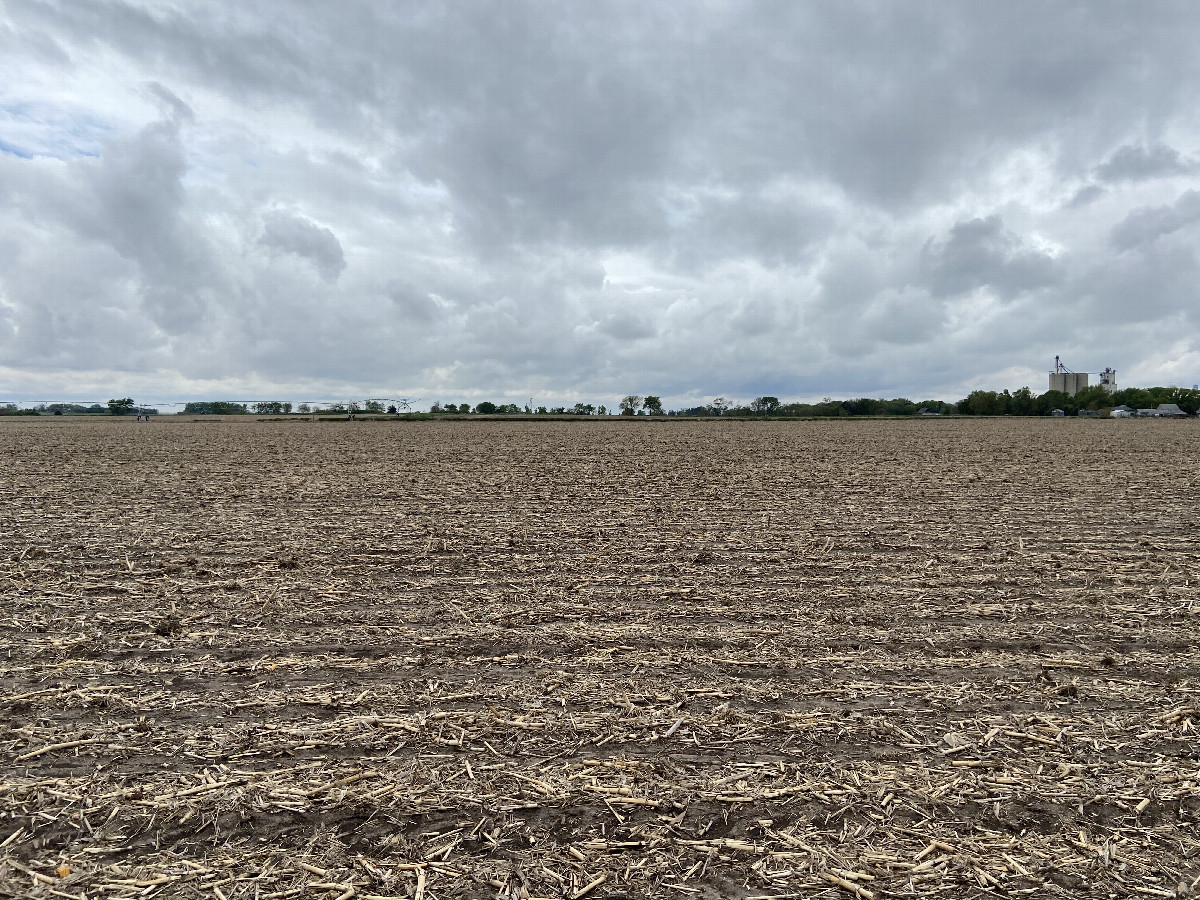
[[1143, 226], [982, 252], [291, 233], [1139, 163], [512, 199]]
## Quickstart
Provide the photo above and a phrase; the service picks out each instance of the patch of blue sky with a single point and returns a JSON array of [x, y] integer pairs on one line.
[[51, 131], [11, 150]]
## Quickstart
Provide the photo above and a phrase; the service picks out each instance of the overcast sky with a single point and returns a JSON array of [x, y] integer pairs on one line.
[[576, 201]]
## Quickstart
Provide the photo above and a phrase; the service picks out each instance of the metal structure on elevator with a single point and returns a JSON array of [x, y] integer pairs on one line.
[[1071, 383]]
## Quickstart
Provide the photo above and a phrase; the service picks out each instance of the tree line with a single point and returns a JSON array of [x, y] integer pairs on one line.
[[1095, 398], [1022, 402]]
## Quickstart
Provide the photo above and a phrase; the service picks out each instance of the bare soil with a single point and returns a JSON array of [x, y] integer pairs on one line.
[[599, 659]]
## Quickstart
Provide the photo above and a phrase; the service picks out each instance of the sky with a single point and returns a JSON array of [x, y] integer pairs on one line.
[[571, 202]]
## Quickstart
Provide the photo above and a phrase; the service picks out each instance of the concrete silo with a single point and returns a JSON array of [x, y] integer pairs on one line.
[[1063, 379]]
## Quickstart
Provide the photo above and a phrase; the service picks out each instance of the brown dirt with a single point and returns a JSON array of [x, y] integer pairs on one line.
[[710, 659]]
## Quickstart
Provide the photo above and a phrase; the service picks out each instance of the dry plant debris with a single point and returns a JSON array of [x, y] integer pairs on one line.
[[599, 659]]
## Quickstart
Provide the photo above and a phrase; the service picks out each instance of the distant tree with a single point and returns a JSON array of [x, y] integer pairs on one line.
[[1094, 397], [373, 406], [1148, 398], [941, 407], [1185, 398], [653, 405], [1052, 400], [1023, 403], [764, 406], [602, 410], [508, 409], [829, 408], [272, 407], [122, 407], [223, 408], [985, 403], [720, 406], [630, 404], [541, 410], [1138, 398], [304, 408], [485, 408], [582, 409], [557, 410], [899, 406]]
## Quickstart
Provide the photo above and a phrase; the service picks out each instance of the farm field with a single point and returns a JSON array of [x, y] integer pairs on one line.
[[603, 659]]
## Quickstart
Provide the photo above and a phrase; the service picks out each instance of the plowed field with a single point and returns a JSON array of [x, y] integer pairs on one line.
[[599, 659]]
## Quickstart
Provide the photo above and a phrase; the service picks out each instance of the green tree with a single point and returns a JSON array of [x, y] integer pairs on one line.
[[720, 406], [602, 410], [373, 406], [1023, 402], [941, 407], [899, 406], [1138, 398], [629, 404], [764, 406], [653, 405], [1185, 398], [11, 409], [1094, 397], [122, 407], [485, 408], [272, 407], [1052, 400], [985, 403]]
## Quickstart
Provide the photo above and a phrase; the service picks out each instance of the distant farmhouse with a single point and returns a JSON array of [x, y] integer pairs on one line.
[[1162, 411]]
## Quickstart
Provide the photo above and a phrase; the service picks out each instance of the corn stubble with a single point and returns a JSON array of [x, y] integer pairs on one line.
[[599, 659]]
